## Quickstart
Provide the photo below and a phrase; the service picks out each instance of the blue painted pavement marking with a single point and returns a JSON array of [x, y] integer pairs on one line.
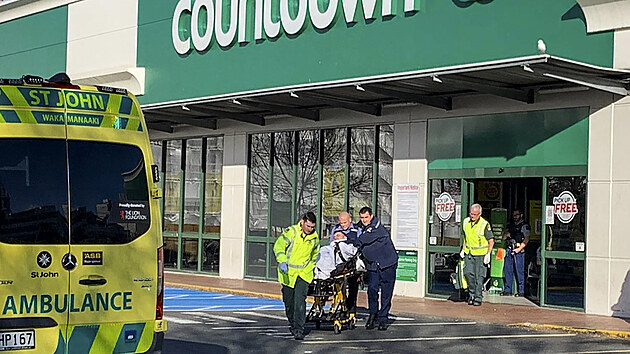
[[178, 299]]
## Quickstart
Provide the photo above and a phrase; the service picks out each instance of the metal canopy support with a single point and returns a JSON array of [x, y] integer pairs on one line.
[[617, 90], [527, 96], [161, 126], [372, 109], [204, 122], [433, 101], [296, 112], [247, 118]]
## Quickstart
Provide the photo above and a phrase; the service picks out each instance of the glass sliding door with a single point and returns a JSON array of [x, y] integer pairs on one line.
[[564, 253], [444, 236]]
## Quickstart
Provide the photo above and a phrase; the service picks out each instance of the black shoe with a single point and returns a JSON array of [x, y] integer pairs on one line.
[[519, 295], [371, 322], [477, 303], [505, 293], [382, 326], [298, 335], [471, 301]]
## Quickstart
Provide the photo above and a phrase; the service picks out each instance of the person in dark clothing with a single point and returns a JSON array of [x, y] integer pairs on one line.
[[352, 232], [517, 237], [381, 261]]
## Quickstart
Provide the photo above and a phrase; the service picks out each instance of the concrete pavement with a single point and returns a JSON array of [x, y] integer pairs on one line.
[[533, 317]]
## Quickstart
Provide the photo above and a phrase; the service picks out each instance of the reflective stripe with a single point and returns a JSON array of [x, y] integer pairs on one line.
[[286, 238], [298, 266]]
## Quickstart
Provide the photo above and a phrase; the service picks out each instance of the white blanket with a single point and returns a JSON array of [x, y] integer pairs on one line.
[[328, 260]]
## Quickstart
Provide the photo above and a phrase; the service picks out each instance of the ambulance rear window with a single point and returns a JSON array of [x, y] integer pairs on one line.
[[109, 199], [33, 191], [108, 193]]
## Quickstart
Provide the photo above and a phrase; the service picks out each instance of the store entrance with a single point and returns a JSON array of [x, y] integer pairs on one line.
[[500, 199]]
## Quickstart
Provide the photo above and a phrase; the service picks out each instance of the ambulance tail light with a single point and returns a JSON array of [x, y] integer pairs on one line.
[[159, 307]]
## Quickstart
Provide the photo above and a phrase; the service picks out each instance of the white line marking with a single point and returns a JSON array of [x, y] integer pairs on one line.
[[180, 320], [224, 318], [263, 307], [175, 297], [222, 297], [605, 351], [421, 339], [248, 327], [397, 318], [433, 324], [261, 315]]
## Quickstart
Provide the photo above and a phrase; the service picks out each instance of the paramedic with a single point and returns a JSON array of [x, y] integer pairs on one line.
[[296, 252], [381, 261]]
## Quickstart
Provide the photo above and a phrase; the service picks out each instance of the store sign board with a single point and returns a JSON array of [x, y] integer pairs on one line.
[[444, 206], [207, 19], [565, 207]]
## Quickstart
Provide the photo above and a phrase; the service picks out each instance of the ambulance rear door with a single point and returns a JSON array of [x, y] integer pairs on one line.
[[113, 287], [34, 236]]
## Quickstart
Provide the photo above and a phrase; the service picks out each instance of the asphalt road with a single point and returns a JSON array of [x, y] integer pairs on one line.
[[220, 323]]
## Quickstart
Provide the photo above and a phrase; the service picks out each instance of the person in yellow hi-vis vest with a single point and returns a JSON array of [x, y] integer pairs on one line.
[[296, 252], [478, 243]]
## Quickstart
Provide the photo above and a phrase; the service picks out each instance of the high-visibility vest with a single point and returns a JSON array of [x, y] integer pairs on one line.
[[475, 235], [299, 251]]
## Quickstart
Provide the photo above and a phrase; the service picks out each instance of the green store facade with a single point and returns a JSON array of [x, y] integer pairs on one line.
[[261, 110]]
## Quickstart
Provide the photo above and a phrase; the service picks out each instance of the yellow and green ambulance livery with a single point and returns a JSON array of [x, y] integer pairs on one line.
[[80, 236]]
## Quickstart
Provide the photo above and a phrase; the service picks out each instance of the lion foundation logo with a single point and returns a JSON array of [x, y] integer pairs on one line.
[[565, 207], [444, 206]]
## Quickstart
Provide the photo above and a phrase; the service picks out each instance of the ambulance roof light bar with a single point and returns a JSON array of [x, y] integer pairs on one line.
[[15, 82], [108, 89]]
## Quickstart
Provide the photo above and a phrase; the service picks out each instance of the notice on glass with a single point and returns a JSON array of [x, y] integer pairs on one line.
[[549, 220], [407, 196]]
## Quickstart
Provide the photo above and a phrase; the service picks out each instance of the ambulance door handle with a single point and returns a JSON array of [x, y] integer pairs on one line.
[[101, 281]]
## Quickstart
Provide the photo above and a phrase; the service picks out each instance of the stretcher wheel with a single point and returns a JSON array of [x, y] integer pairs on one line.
[[318, 324], [337, 327]]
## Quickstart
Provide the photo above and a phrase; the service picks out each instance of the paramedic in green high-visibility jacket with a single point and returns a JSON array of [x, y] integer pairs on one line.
[[296, 252]]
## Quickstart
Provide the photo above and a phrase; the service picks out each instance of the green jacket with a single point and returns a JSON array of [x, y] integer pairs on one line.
[[300, 253]]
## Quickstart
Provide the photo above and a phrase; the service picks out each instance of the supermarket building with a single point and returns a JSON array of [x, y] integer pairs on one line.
[[262, 110]]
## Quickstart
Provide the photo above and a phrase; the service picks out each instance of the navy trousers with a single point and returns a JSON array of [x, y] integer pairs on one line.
[[384, 280], [513, 261]]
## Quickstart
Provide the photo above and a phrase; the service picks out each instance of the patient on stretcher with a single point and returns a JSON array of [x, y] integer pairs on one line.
[[337, 252]]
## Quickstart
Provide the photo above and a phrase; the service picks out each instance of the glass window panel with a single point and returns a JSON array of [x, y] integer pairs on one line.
[[258, 184], [156, 149], [308, 172], [109, 194], [361, 169], [273, 265], [256, 259], [565, 282], [385, 174], [445, 233], [211, 257], [441, 266], [214, 183], [189, 253], [172, 184], [282, 183], [334, 180], [33, 191], [170, 252], [192, 189], [567, 194]]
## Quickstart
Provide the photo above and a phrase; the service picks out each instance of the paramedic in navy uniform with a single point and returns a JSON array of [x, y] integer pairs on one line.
[[381, 261]]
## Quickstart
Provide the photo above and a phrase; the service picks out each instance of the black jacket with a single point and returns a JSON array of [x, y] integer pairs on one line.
[[376, 246]]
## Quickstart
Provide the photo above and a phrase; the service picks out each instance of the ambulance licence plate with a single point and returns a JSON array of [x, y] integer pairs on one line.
[[17, 340]]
